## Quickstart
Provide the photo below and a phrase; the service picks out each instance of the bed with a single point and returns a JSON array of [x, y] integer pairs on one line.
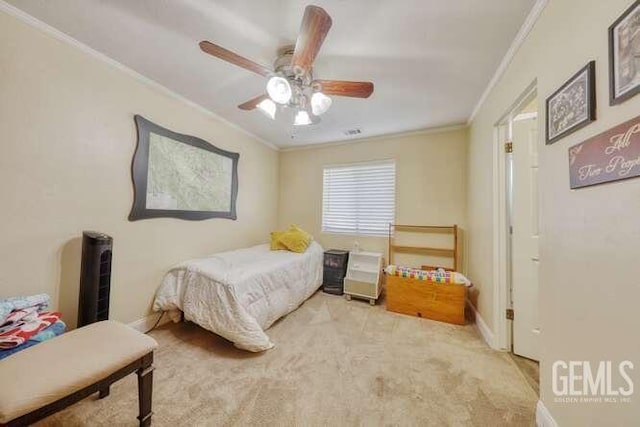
[[239, 294]]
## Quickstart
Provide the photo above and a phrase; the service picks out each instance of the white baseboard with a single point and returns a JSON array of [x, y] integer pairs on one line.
[[543, 416], [147, 322], [482, 327]]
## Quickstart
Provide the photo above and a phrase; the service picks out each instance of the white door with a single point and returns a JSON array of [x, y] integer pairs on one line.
[[525, 260]]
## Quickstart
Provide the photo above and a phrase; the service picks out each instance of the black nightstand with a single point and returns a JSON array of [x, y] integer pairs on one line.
[[335, 268]]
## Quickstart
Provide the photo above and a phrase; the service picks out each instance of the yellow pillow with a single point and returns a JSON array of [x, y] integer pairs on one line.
[[276, 244], [294, 227], [296, 240]]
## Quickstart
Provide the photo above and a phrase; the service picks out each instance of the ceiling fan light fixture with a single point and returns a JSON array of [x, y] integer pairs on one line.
[[320, 103], [290, 82], [268, 108], [279, 89], [302, 118]]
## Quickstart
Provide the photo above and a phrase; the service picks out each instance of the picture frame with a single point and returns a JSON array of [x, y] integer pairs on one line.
[[624, 55], [181, 176], [573, 105]]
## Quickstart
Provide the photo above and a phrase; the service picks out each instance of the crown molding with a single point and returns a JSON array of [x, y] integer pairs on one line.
[[426, 131], [59, 35], [521, 36], [525, 29]]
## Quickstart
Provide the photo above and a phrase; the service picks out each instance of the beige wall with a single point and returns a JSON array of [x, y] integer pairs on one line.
[[67, 139], [430, 182], [590, 243]]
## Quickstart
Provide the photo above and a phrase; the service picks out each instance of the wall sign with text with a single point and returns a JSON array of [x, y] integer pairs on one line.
[[610, 156]]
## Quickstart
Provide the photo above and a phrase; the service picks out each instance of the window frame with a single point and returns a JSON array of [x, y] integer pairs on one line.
[[383, 233]]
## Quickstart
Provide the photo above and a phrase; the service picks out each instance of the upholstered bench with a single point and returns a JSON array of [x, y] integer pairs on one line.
[[48, 377]]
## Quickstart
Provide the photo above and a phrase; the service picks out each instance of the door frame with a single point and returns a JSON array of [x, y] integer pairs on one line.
[[501, 241]]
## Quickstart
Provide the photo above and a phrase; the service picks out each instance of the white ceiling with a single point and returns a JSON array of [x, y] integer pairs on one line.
[[430, 60]]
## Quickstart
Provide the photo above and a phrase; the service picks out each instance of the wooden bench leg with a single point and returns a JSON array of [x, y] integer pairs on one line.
[[143, 367], [104, 392], [145, 390]]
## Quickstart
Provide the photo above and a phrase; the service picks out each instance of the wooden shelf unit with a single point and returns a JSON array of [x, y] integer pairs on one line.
[[364, 272], [425, 250]]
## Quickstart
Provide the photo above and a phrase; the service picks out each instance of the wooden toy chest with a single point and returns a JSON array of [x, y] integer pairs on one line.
[[436, 301]]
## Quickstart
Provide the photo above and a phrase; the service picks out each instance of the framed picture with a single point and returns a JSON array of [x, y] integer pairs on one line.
[[624, 55], [573, 106], [181, 176]]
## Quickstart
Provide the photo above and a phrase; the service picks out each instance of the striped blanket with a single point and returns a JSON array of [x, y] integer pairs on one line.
[[437, 276]]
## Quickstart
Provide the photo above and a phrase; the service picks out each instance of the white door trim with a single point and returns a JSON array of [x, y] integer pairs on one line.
[[501, 336], [543, 416], [501, 297]]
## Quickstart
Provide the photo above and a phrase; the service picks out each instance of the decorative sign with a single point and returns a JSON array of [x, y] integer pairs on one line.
[[610, 156]]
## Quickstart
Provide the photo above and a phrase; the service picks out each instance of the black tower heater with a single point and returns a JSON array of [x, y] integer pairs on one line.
[[95, 278]]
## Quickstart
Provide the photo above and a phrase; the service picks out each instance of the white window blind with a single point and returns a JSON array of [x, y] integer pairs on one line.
[[359, 198]]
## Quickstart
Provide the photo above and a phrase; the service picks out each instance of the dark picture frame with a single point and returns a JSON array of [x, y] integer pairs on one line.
[[624, 55], [140, 174], [573, 105]]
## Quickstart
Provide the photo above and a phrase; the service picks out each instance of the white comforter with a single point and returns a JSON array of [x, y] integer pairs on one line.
[[239, 294]]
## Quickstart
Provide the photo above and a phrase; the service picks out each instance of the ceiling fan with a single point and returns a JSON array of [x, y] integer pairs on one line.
[[291, 83]]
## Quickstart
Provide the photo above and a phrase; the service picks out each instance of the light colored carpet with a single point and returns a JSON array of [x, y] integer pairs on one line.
[[335, 363], [530, 370]]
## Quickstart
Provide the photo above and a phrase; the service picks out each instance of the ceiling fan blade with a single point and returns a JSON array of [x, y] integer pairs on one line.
[[234, 58], [345, 88], [252, 103], [314, 28]]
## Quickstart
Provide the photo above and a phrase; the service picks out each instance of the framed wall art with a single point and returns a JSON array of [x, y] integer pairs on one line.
[[624, 55], [181, 176], [573, 106]]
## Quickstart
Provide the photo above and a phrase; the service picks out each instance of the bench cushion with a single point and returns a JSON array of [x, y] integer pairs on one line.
[[42, 374]]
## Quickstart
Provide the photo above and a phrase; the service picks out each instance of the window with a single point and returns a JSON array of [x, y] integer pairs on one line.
[[359, 198]]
